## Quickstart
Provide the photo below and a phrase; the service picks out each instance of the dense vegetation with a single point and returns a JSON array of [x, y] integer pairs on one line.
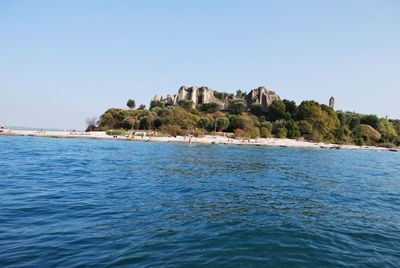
[[284, 119]]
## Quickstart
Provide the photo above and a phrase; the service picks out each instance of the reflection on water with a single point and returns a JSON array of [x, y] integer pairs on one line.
[[105, 203]]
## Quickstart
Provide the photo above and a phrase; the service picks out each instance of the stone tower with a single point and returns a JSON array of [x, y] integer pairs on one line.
[[332, 102]]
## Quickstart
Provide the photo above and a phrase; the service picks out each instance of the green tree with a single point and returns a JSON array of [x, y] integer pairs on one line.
[[222, 123], [323, 119], [203, 123], [277, 110], [219, 95], [237, 106], [279, 128], [266, 124], [386, 128], [142, 107], [371, 120], [186, 104], [305, 127], [156, 103], [265, 132], [129, 122], [254, 132], [240, 93], [157, 123], [291, 108], [344, 118], [211, 107], [131, 104], [196, 112], [145, 122], [176, 115], [281, 133], [257, 109], [354, 122], [236, 122], [293, 130]]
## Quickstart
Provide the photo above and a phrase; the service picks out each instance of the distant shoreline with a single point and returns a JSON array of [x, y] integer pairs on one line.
[[208, 139]]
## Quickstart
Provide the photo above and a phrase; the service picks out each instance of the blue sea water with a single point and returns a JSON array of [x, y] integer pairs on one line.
[[96, 203]]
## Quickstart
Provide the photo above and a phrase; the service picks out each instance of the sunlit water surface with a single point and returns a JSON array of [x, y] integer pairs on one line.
[[95, 203]]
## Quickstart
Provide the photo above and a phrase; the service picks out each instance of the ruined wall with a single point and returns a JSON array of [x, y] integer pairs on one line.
[[261, 95], [206, 95]]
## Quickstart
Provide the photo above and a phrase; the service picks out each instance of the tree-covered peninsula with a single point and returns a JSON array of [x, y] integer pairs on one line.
[[260, 113]]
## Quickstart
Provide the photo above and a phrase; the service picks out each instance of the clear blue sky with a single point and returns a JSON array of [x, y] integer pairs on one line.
[[62, 61]]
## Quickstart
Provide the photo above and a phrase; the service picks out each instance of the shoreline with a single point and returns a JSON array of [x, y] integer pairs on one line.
[[208, 139]]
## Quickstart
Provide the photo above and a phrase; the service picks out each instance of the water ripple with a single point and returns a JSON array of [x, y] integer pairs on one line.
[[74, 203]]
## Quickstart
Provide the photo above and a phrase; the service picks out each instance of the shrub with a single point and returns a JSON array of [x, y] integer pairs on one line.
[[117, 132], [196, 112], [267, 125], [265, 132], [281, 133], [359, 141], [186, 104], [236, 122], [278, 124], [219, 95], [164, 111], [237, 106], [199, 133], [316, 136], [253, 132], [257, 109], [240, 134], [173, 130], [156, 103], [179, 116], [387, 145], [157, 110]]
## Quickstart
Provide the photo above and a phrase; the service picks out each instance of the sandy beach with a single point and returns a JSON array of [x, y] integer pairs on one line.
[[208, 139]]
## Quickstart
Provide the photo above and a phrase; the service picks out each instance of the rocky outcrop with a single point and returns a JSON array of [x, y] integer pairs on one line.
[[206, 95]]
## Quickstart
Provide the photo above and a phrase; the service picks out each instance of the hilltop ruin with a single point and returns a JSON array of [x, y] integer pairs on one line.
[[201, 95]]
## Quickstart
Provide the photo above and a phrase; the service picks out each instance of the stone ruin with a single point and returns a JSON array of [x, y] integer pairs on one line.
[[200, 95], [261, 95], [332, 102]]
